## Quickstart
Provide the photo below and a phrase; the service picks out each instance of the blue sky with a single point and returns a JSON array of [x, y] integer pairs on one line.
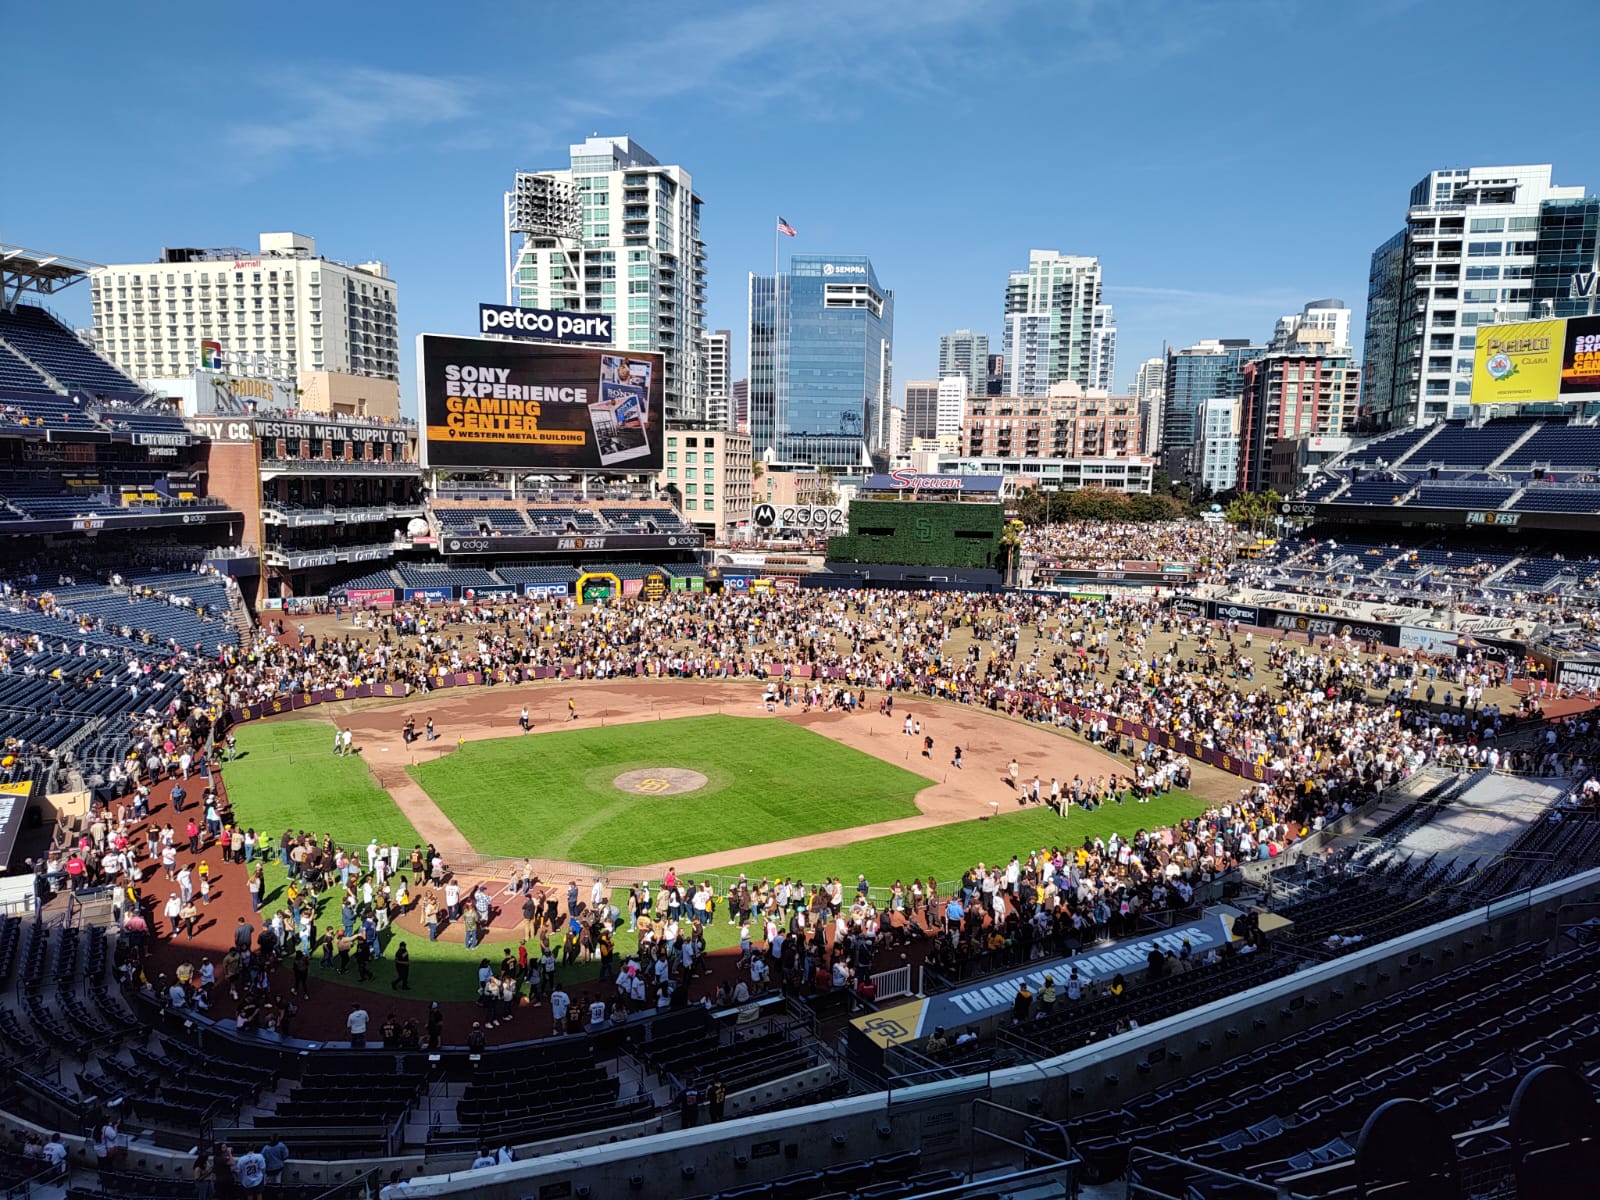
[[1226, 161]]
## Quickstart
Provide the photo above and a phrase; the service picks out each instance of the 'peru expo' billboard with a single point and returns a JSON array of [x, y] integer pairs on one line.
[[490, 404]]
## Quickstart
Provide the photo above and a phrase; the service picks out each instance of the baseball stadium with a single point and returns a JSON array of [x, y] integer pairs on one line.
[[434, 809]]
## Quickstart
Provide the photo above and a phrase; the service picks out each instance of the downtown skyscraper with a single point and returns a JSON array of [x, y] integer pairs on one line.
[[617, 232], [1056, 327], [1466, 257], [966, 354], [821, 363]]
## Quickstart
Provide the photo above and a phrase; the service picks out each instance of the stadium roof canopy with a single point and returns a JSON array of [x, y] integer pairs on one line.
[[23, 270]]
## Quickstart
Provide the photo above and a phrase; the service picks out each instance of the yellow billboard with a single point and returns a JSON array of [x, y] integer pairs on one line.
[[1517, 364]]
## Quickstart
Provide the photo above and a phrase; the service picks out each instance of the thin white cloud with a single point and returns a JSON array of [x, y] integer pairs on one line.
[[345, 111], [1273, 299], [762, 54]]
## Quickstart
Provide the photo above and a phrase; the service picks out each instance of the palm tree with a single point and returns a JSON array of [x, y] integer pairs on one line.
[[1010, 542]]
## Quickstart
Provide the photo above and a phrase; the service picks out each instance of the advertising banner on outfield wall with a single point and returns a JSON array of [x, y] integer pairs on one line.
[[489, 404]]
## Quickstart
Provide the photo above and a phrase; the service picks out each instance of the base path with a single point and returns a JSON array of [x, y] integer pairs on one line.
[[980, 788]]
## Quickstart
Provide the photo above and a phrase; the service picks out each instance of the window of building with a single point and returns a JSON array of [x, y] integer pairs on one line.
[[1483, 273], [1485, 249], [672, 456], [1487, 225]]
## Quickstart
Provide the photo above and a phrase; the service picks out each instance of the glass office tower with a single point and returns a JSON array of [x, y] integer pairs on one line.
[[821, 363]]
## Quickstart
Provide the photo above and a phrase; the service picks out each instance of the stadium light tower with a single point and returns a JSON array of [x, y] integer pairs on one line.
[[539, 206]]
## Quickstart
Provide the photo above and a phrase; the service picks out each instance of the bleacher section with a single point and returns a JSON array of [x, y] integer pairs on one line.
[[480, 520], [17, 375], [37, 336], [1559, 448], [1439, 495], [1374, 491], [1389, 448], [1462, 446], [1574, 498]]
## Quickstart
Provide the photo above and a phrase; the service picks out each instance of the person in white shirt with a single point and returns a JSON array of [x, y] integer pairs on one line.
[[597, 1013], [559, 1003], [484, 1159], [55, 1154]]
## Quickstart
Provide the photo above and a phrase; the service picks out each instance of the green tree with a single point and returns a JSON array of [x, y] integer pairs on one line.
[[1010, 542]]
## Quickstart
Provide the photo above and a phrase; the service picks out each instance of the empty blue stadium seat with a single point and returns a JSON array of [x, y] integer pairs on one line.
[[38, 337]]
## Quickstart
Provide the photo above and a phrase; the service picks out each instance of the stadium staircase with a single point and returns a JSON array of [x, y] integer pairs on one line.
[[1411, 453], [1533, 428], [16, 360]]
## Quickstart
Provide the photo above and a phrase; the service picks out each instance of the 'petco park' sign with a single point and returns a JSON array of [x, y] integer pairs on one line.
[[545, 325]]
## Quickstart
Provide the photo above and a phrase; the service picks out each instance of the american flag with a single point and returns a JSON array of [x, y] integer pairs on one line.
[[785, 228]]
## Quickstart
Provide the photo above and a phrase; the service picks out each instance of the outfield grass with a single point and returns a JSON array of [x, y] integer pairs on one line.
[[551, 794], [946, 851], [287, 777]]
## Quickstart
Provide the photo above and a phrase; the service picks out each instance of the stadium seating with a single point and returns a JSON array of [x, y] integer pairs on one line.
[[372, 581], [1389, 448], [551, 521], [18, 375], [1559, 447], [1435, 495], [37, 336], [1459, 1041], [1374, 491], [624, 570], [654, 519], [477, 520], [1457, 445], [133, 420], [438, 575], [1568, 498], [47, 409], [538, 576]]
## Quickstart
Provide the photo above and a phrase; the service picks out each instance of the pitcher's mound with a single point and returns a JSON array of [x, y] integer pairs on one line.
[[659, 781]]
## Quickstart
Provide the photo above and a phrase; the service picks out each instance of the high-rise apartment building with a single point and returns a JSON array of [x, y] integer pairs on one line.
[[1209, 370], [1330, 316], [1103, 349], [1050, 322], [922, 408], [740, 392], [616, 232], [1219, 445], [996, 382], [1466, 257], [897, 429], [719, 379], [950, 404], [966, 354], [1310, 389], [1149, 386], [273, 313], [821, 362]]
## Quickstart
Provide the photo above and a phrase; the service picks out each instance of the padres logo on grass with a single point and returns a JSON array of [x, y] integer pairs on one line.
[[659, 781]]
